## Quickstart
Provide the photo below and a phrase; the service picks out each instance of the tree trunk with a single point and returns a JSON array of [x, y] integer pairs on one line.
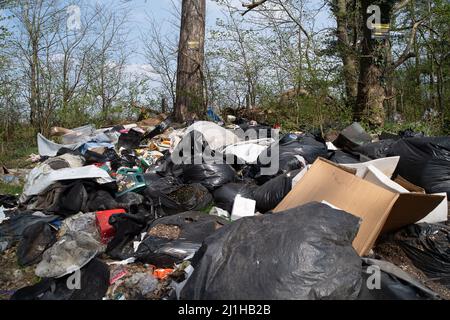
[[346, 51], [391, 91], [190, 96], [371, 95], [164, 105]]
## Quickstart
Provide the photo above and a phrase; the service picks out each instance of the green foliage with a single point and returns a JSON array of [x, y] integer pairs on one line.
[[10, 189], [15, 151]]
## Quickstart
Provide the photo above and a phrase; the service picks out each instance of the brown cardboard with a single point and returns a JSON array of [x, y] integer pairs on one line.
[[379, 209], [408, 185]]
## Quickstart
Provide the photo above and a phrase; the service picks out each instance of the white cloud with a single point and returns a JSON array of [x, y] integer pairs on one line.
[[139, 69]]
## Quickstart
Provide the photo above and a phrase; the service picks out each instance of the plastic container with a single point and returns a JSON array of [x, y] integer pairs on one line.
[[129, 180], [106, 230]]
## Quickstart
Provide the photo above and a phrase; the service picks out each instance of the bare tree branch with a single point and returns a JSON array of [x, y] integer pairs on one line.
[[253, 5]]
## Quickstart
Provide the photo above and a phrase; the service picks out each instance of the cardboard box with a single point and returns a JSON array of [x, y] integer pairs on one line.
[[381, 209]]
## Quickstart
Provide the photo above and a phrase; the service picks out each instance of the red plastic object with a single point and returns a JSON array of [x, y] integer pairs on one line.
[[106, 230], [162, 274]]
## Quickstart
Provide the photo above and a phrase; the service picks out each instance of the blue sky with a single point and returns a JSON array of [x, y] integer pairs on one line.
[[161, 11]]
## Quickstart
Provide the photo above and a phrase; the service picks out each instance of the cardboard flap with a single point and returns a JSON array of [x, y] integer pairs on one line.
[[386, 165], [408, 185], [377, 177], [410, 208], [327, 182]]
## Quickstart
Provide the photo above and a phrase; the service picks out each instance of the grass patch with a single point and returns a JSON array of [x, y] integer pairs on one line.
[[15, 157], [10, 189]]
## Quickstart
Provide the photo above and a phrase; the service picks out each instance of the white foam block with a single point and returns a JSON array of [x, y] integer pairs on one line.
[[243, 207]]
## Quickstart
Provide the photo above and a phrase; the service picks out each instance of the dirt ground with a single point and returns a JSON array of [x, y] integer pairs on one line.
[[12, 276]]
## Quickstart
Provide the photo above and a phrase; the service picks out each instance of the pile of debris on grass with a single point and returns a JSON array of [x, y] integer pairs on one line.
[[164, 211]]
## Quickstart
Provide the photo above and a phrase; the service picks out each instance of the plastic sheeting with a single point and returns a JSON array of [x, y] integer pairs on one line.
[[248, 151], [216, 136], [50, 149], [41, 178], [72, 252]]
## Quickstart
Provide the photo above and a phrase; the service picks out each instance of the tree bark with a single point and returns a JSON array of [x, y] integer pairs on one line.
[[190, 95], [371, 95], [346, 51]]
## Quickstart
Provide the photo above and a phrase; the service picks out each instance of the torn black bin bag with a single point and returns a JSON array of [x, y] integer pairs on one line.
[[130, 140], [225, 195], [352, 137], [383, 280], [164, 248], [342, 157], [134, 203], [301, 253], [63, 198], [211, 176], [8, 201], [409, 133], [424, 162], [375, 150], [11, 230], [151, 178], [108, 155], [175, 199], [101, 200], [36, 238], [389, 136], [270, 194], [71, 197], [428, 248], [94, 282], [127, 227], [127, 159], [305, 146]]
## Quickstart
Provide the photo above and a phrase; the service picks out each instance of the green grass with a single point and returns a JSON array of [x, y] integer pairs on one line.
[[15, 157], [10, 189]]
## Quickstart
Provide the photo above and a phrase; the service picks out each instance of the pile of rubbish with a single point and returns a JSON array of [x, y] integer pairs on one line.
[[229, 210]]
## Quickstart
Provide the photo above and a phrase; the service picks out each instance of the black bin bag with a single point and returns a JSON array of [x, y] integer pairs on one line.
[[173, 239], [225, 195], [94, 282], [271, 193], [428, 248], [375, 150], [424, 162], [36, 238], [211, 176], [301, 253], [174, 197], [393, 283]]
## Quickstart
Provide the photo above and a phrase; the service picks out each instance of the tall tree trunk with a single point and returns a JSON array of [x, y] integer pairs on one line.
[[190, 96], [391, 91], [371, 95], [164, 105], [346, 51]]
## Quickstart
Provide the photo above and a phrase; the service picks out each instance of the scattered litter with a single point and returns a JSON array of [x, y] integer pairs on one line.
[[155, 210]]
